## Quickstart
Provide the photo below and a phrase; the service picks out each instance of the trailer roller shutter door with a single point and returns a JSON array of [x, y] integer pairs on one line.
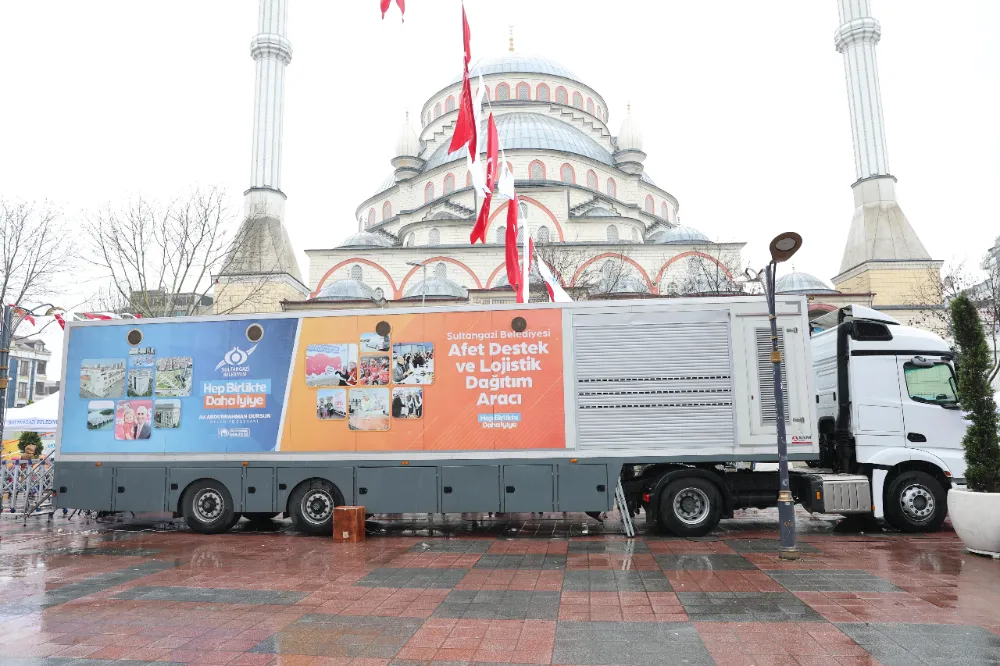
[[654, 381]]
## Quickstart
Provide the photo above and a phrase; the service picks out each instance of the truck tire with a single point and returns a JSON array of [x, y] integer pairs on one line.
[[916, 502], [208, 507], [311, 507], [690, 507]]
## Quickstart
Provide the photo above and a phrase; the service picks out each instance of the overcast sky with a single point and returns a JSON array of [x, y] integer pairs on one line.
[[743, 105]]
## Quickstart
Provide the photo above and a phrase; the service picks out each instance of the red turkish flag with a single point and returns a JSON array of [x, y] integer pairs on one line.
[[466, 38], [399, 3], [479, 231], [492, 153], [465, 126], [513, 266]]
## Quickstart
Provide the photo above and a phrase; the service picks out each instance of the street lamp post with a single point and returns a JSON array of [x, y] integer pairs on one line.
[[423, 265]]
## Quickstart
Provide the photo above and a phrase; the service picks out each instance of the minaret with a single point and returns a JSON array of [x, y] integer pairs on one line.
[[883, 254], [262, 258]]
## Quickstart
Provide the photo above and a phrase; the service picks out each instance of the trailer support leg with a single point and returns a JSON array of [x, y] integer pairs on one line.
[[622, 507]]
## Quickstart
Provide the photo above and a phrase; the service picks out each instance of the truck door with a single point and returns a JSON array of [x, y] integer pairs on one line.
[[932, 418]]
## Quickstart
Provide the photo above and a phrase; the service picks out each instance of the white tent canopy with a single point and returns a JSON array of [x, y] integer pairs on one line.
[[40, 416]]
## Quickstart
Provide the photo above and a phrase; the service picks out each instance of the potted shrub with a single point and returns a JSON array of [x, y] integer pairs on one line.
[[975, 509]]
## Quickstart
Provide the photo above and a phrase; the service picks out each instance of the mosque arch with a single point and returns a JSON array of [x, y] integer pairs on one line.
[[590, 106], [542, 92], [690, 253], [523, 91], [437, 110], [567, 174], [561, 97], [577, 100], [428, 192], [502, 211], [615, 255], [357, 260], [536, 170], [434, 236], [664, 211], [449, 184], [591, 179], [503, 92], [449, 104], [612, 233], [612, 188], [649, 204], [435, 261], [371, 217], [386, 211]]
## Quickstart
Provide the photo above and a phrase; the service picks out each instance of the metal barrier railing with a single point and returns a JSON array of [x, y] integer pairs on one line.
[[26, 486]]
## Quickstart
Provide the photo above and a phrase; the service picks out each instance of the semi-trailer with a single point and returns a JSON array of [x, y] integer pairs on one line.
[[529, 408]]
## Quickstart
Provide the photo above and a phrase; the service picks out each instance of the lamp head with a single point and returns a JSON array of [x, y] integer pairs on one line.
[[784, 246], [416, 264]]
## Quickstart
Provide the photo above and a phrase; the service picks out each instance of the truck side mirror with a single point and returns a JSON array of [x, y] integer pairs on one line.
[[921, 362]]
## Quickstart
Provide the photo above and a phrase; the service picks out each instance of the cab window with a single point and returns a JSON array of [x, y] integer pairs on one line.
[[931, 383]]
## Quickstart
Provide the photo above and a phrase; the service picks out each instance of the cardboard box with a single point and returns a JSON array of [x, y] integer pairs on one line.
[[348, 524]]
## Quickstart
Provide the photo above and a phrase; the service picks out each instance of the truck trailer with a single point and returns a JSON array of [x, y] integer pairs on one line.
[[667, 404]]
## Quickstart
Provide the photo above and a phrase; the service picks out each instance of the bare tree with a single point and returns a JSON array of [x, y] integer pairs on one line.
[[159, 260], [35, 252], [929, 297], [571, 264], [715, 269], [986, 296]]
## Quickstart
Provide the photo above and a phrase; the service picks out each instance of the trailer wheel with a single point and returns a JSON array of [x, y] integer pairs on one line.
[[690, 507], [916, 502], [311, 505], [208, 507]]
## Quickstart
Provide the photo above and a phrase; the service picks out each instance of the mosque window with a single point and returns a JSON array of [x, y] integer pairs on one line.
[[437, 109], [649, 204], [386, 211], [542, 235], [578, 100], [590, 106], [503, 92], [441, 270], [566, 174], [357, 273], [663, 211], [468, 179], [522, 211], [600, 113], [542, 92], [449, 184], [371, 217], [449, 104], [536, 171], [501, 233], [561, 97], [409, 241], [612, 233], [428, 192], [434, 237], [591, 179], [520, 235], [612, 188], [427, 118], [523, 91]]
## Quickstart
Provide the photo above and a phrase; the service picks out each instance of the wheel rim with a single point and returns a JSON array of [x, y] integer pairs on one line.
[[208, 505], [691, 506], [917, 503], [317, 506]]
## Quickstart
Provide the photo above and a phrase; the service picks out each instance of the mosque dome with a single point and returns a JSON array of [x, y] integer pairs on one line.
[[532, 131], [407, 143], [345, 290], [677, 235], [802, 283], [437, 287], [367, 239], [630, 134], [518, 63]]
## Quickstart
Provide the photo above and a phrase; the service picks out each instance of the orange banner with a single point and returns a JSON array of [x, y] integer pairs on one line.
[[454, 381]]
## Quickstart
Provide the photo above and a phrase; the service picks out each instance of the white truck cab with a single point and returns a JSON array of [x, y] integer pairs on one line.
[[887, 408]]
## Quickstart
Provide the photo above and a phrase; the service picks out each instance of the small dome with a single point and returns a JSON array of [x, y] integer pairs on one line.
[[599, 211], [437, 287], [407, 143], [802, 283], [344, 290], [630, 135], [367, 239], [677, 235]]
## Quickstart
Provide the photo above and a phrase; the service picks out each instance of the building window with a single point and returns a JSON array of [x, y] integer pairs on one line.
[[663, 211], [502, 234], [591, 179], [503, 92], [566, 174], [536, 171], [649, 204], [437, 110], [577, 100], [22, 391], [449, 184], [542, 92], [612, 233], [371, 216], [357, 273], [561, 96], [520, 236], [428, 192], [39, 367], [612, 188], [409, 240], [522, 211], [449, 104], [590, 106], [468, 179], [386, 211], [523, 91], [542, 235], [39, 389], [434, 237], [441, 270]]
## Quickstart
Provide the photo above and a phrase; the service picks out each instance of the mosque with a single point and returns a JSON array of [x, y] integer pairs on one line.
[[604, 226]]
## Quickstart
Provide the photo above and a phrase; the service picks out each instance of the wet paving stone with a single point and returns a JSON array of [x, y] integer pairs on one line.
[[457, 546], [68, 661], [765, 546], [937, 644], [343, 636], [212, 595], [831, 580], [746, 607], [629, 643], [592, 580], [499, 605], [630, 547], [535, 562], [704, 563], [407, 577]]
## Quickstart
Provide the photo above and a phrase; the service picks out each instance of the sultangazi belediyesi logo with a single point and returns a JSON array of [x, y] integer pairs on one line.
[[234, 363]]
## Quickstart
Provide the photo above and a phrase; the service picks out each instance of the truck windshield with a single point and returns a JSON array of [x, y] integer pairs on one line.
[[934, 383]]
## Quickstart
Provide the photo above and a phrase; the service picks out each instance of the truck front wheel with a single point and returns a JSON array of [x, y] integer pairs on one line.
[[208, 507], [690, 507], [311, 505], [916, 502]]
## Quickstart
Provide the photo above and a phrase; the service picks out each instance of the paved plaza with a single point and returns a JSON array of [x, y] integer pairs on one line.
[[517, 589]]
